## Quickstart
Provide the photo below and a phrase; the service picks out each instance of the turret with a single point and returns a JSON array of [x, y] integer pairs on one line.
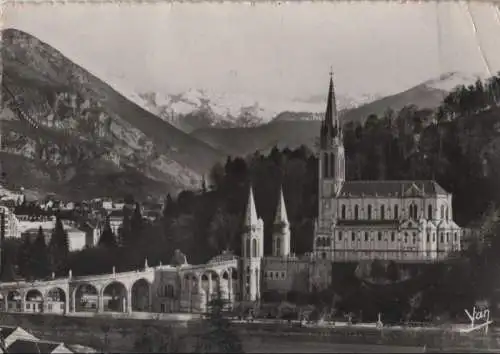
[[281, 230]]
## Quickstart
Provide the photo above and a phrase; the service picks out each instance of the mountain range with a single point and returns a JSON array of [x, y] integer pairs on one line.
[[80, 137], [292, 129]]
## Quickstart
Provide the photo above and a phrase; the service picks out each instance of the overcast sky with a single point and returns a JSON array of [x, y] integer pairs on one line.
[[268, 50]]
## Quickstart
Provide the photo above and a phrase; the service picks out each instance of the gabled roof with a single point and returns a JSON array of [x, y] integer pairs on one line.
[[425, 188], [32, 346]]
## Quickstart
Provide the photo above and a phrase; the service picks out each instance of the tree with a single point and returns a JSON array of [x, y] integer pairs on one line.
[[24, 258], [40, 255], [108, 238], [219, 337], [59, 249], [154, 341], [136, 223]]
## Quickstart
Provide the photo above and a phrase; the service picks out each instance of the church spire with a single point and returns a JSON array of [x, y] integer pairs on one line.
[[281, 214], [330, 127], [251, 217]]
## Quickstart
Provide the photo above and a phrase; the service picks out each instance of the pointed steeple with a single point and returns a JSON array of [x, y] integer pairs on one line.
[[330, 127], [281, 214], [251, 217]]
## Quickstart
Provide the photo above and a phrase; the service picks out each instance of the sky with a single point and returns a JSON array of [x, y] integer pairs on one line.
[[269, 50]]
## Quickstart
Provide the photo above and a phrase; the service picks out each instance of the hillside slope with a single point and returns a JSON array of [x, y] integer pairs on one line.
[[67, 101]]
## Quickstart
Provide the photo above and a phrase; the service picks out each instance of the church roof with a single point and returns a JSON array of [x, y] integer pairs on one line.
[[423, 188], [368, 223]]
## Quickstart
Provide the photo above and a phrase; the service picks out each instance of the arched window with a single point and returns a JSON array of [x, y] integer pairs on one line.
[[447, 237], [447, 218], [414, 238], [393, 236], [248, 248], [442, 211], [429, 212], [254, 248], [343, 212], [442, 237], [456, 237], [382, 212], [413, 211], [332, 165], [396, 209], [278, 245], [428, 237], [356, 212], [406, 237], [325, 166], [369, 211], [366, 236]]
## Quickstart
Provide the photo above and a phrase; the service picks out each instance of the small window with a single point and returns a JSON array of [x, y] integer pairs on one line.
[[366, 236], [393, 236], [396, 212], [356, 212], [447, 237], [282, 275], [369, 212], [428, 237], [353, 236], [270, 275], [442, 237], [406, 237], [343, 212], [429, 212], [433, 237], [340, 235], [456, 237], [382, 212], [380, 236]]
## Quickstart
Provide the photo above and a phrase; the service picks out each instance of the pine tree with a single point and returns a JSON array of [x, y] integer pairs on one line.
[[59, 249], [136, 223], [40, 256], [219, 338], [24, 258], [108, 238]]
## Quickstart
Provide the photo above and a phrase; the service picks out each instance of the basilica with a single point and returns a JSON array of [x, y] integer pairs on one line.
[[400, 221]]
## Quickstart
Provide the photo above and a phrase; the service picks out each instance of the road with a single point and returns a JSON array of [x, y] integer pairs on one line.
[[276, 345]]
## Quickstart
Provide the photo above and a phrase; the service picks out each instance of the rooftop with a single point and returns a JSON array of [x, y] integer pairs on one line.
[[423, 188]]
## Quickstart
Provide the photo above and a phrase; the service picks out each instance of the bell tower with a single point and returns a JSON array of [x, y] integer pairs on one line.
[[331, 165], [253, 252]]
